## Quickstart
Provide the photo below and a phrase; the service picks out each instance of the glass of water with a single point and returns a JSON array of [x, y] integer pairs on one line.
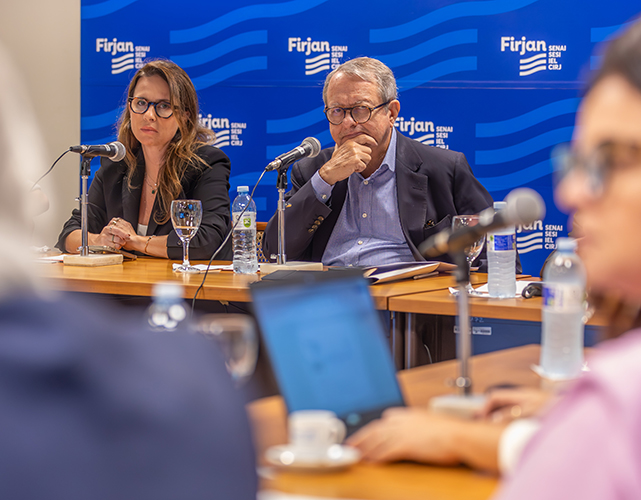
[[237, 339], [185, 217], [474, 250]]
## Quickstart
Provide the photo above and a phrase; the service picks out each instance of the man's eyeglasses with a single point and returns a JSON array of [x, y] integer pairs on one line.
[[140, 106], [360, 114], [597, 167]]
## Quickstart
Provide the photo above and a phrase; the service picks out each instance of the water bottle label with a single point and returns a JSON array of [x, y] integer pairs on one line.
[[562, 298], [248, 220], [500, 242]]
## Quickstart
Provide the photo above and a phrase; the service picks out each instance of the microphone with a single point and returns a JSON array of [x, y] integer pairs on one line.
[[524, 206], [309, 147], [115, 151]]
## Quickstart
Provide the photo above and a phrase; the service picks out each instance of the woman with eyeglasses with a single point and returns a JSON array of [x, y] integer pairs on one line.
[[587, 444], [169, 157]]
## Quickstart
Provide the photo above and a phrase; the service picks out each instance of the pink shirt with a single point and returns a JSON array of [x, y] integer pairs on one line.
[[589, 445]]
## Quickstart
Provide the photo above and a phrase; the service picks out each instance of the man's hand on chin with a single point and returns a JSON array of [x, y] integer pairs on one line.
[[353, 155]]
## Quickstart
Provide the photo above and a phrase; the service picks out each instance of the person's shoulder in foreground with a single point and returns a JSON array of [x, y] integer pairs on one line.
[[97, 406], [588, 445]]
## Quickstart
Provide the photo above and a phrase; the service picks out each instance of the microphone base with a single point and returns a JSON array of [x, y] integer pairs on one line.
[[92, 260], [293, 265], [459, 405]]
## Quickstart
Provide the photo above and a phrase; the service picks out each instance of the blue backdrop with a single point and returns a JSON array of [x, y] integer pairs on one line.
[[499, 80]]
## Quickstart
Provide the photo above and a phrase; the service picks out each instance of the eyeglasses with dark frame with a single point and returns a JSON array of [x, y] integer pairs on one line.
[[360, 114], [598, 166], [140, 105]]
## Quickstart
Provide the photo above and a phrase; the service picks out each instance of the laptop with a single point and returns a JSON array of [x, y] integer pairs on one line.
[[326, 344]]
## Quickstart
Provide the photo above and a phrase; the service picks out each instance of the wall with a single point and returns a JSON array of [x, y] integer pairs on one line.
[[43, 37]]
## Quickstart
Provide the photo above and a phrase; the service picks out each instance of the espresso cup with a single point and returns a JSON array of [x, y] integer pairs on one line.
[[312, 432]]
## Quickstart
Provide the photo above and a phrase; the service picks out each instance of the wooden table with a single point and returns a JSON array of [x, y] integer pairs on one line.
[[402, 481], [443, 302], [138, 277]]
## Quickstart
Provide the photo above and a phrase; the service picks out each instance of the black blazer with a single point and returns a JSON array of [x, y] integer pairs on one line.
[[433, 184], [110, 196]]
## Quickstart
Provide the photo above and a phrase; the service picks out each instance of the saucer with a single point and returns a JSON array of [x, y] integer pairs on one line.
[[336, 457]]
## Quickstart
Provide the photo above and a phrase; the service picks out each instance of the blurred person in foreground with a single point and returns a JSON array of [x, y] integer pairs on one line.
[[587, 446], [169, 157], [92, 409]]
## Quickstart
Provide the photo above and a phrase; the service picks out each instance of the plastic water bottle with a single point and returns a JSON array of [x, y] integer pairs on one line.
[[501, 260], [563, 311], [167, 310], [245, 259]]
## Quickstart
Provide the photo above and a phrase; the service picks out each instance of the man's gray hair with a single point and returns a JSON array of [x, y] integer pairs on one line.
[[369, 70]]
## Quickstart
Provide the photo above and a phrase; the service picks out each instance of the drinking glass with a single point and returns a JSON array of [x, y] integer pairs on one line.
[[185, 217], [237, 339], [474, 250]]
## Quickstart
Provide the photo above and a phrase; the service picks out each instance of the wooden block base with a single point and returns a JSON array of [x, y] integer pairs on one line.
[[92, 260], [290, 266]]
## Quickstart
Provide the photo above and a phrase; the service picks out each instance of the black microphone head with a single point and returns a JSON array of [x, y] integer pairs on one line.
[[314, 145], [119, 151], [524, 206]]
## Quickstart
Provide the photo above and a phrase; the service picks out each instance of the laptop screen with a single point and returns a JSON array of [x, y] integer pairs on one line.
[[326, 344]]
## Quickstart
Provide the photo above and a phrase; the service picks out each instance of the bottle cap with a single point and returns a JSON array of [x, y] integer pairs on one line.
[[168, 290], [566, 244], [243, 189]]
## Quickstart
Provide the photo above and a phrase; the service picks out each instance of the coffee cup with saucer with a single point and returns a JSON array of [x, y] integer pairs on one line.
[[315, 443]]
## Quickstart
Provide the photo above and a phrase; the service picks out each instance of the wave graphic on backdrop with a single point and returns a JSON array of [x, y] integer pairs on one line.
[[529, 119], [429, 47], [519, 178], [99, 121], [529, 243], [427, 139], [317, 64], [230, 70], [122, 64], [525, 148], [604, 34], [104, 8], [463, 9], [220, 49], [222, 138], [533, 64], [259, 11], [298, 122], [437, 70]]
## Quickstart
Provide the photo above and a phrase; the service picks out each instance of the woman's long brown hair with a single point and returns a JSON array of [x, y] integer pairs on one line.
[[181, 151]]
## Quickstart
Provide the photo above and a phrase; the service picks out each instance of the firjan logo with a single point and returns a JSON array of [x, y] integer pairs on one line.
[[132, 58], [430, 134], [323, 56], [227, 133], [539, 55]]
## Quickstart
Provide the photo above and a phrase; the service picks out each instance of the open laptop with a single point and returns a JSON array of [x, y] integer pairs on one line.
[[326, 344]]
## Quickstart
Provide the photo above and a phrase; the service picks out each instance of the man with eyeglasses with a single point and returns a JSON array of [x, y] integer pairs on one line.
[[375, 196]]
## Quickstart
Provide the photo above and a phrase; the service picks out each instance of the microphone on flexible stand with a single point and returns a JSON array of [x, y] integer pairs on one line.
[[310, 147], [115, 151], [524, 206]]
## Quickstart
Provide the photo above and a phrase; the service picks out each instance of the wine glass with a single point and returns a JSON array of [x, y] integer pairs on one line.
[[185, 217], [474, 250], [237, 339]]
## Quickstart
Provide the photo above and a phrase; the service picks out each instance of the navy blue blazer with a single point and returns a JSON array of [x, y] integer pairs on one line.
[[433, 184], [96, 406]]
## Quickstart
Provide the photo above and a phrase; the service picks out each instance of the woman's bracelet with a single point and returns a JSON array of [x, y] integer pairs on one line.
[[147, 244]]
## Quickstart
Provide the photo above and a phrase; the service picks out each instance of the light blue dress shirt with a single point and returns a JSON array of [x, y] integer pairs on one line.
[[368, 230]]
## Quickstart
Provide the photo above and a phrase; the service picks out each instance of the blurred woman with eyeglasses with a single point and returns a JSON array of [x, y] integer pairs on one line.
[[168, 157]]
